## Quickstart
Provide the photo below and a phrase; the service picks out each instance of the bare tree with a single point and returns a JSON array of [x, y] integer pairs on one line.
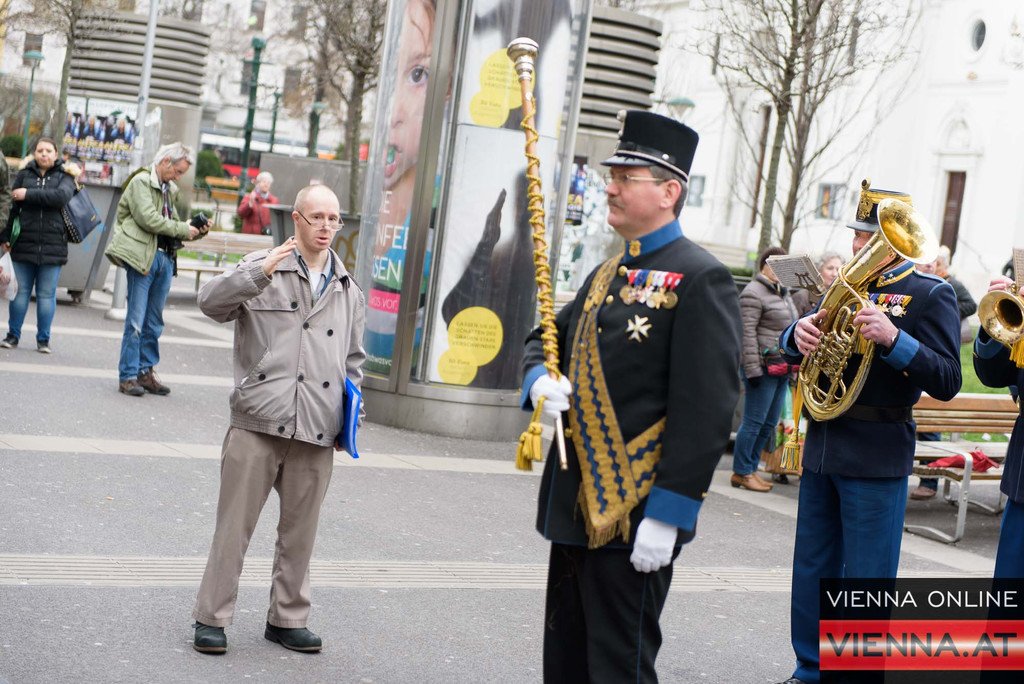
[[803, 57], [64, 17], [349, 34]]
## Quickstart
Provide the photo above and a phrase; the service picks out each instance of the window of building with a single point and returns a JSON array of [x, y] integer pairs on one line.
[[830, 200], [292, 80], [257, 11], [851, 52], [695, 192], [300, 15], [33, 41], [246, 77], [192, 10], [978, 35], [715, 53]]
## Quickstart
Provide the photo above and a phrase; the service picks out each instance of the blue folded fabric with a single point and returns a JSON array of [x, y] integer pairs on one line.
[[351, 406]]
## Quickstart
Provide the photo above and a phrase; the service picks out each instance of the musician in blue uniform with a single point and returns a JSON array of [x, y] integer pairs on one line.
[[995, 369], [853, 490], [649, 353]]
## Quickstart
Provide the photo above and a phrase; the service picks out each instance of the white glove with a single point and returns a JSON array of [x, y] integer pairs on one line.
[[652, 549], [555, 392]]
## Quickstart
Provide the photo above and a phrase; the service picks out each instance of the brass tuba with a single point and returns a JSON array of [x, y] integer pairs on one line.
[[902, 234]]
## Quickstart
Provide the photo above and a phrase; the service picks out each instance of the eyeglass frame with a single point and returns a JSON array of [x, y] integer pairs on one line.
[[324, 223], [608, 179]]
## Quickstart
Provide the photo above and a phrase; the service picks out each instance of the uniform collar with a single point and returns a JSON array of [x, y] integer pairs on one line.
[[670, 232], [895, 274]]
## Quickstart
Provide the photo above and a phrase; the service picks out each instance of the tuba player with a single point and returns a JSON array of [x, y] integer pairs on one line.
[[853, 489]]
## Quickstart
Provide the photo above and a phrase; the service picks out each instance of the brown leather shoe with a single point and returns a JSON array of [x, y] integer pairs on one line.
[[922, 493], [130, 387], [151, 383], [751, 482]]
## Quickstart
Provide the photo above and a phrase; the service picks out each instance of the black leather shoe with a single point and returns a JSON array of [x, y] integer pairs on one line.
[[293, 638], [210, 639]]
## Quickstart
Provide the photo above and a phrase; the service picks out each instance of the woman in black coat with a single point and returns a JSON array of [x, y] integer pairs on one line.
[[40, 191]]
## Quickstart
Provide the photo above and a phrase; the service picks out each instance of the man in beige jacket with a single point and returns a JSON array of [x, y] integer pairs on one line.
[[298, 336]]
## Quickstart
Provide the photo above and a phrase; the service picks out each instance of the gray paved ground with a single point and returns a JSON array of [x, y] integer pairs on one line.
[[429, 569]]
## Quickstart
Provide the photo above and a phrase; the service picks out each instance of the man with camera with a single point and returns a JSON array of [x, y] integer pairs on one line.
[[298, 337], [146, 238]]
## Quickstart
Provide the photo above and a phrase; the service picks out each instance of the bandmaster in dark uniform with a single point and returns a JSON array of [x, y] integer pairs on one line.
[[649, 350], [853, 490]]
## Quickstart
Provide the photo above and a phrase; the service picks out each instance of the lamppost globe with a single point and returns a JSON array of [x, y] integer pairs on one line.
[[35, 57]]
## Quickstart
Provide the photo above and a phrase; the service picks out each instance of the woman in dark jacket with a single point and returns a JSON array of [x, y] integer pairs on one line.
[[40, 191], [767, 309]]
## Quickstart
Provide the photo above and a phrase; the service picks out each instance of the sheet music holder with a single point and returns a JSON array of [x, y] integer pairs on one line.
[[797, 271], [351, 407]]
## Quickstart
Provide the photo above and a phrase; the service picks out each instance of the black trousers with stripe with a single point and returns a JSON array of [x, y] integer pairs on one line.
[[601, 618]]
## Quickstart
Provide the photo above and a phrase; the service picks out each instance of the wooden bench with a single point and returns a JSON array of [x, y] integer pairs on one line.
[[221, 190], [985, 413], [220, 244]]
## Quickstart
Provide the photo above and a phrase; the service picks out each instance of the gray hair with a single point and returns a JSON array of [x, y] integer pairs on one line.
[[264, 176], [826, 257], [943, 257], [176, 152], [661, 173]]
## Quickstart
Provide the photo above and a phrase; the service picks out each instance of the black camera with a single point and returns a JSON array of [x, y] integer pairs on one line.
[[200, 221]]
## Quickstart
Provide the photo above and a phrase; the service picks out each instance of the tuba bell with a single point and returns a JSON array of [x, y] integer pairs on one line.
[[826, 383]]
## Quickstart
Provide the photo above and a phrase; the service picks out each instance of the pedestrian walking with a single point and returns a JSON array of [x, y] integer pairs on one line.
[[35, 236], [298, 336], [650, 361]]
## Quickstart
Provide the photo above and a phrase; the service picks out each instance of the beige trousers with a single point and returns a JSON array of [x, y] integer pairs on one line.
[[251, 464]]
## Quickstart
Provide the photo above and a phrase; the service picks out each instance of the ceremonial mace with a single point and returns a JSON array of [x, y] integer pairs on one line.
[[523, 52]]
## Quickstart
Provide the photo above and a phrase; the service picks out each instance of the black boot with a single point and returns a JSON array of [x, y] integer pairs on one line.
[[293, 638], [210, 639]]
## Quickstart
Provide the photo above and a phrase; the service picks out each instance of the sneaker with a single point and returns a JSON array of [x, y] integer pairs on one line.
[[9, 342], [130, 387], [43, 348], [151, 383]]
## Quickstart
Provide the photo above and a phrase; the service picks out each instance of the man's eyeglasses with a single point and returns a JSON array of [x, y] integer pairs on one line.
[[626, 179], [332, 223]]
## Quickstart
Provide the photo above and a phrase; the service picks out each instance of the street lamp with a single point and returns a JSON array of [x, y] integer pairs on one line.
[[258, 44], [314, 126], [34, 56], [678, 107]]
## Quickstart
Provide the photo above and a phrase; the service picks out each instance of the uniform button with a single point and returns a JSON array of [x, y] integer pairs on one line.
[[326, 384], [301, 377], [599, 330], [623, 270], [305, 326], [320, 436], [281, 429], [609, 299], [295, 305], [330, 332], [263, 376]]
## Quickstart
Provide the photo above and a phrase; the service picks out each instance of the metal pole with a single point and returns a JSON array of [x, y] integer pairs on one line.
[[258, 44], [273, 119], [28, 112], [118, 310]]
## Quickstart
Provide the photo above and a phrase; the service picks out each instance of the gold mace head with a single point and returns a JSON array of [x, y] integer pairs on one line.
[[523, 53]]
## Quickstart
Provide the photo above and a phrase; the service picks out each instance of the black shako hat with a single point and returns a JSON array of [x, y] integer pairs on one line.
[[648, 139], [867, 206]]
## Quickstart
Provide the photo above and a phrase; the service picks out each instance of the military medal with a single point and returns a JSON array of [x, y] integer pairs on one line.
[[627, 295], [638, 328], [655, 289], [671, 299]]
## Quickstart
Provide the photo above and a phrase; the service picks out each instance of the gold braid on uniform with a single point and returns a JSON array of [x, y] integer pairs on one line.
[[615, 475], [530, 449]]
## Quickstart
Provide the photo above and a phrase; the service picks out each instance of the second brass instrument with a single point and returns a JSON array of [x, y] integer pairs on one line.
[[827, 388]]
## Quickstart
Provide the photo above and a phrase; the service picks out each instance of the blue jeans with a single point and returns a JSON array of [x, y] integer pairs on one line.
[[761, 408], [44, 278], [845, 527], [1010, 553], [144, 321]]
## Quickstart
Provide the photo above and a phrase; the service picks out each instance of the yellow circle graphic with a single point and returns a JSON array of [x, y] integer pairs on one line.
[[456, 367], [476, 331], [499, 91]]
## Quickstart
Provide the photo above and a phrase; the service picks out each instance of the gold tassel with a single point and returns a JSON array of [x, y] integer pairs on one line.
[[530, 449], [791, 449], [1017, 353]]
